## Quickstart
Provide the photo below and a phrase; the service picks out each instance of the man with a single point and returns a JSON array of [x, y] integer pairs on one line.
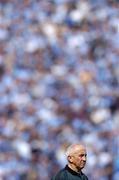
[[76, 157]]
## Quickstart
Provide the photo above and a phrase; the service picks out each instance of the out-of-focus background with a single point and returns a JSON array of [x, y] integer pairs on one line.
[[59, 84]]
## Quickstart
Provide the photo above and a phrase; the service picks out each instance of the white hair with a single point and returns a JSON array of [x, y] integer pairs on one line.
[[72, 148], [69, 150]]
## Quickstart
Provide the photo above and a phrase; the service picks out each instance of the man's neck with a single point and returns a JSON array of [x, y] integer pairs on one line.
[[71, 166]]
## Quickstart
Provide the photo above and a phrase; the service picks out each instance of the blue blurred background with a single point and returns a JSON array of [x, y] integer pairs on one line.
[[59, 84]]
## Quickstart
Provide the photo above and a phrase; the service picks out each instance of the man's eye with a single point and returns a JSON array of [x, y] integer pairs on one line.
[[81, 155]]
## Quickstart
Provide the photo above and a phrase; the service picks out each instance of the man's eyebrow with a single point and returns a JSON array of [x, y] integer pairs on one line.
[[82, 154]]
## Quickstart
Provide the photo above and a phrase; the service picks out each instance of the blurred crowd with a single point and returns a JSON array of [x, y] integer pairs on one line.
[[59, 84]]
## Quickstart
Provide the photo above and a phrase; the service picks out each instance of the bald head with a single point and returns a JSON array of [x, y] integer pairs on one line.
[[74, 148]]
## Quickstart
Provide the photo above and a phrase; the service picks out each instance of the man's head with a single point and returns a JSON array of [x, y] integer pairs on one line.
[[76, 156]]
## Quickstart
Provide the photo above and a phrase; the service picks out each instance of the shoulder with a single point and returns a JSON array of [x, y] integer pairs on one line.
[[61, 175], [84, 176]]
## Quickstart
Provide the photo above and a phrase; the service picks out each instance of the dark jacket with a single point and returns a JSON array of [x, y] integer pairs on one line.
[[69, 174]]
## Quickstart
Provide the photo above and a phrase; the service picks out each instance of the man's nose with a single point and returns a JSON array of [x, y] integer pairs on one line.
[[84, 158]]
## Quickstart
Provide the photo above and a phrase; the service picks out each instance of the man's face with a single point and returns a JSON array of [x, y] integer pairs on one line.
[[78, 158]]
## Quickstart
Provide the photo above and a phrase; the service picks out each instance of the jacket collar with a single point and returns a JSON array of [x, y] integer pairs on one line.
[[73, 172]]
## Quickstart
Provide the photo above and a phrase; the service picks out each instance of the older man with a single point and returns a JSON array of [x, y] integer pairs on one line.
[[76, 157]]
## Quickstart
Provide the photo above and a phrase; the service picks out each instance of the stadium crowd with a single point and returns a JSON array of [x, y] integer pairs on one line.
[[59, 84]]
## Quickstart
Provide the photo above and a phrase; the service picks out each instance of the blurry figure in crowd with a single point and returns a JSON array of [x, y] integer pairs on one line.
[[76, 157], [32, 174]]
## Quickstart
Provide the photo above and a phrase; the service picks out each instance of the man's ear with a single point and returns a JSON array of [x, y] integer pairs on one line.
[[70, 159]]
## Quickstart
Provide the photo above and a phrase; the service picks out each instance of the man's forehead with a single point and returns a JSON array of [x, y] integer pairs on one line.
[[79, 148]]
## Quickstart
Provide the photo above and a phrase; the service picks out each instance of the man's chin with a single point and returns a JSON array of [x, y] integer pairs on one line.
[[82, 166]]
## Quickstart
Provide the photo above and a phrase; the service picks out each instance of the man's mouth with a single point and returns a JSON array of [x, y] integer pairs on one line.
[[83, 163]]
